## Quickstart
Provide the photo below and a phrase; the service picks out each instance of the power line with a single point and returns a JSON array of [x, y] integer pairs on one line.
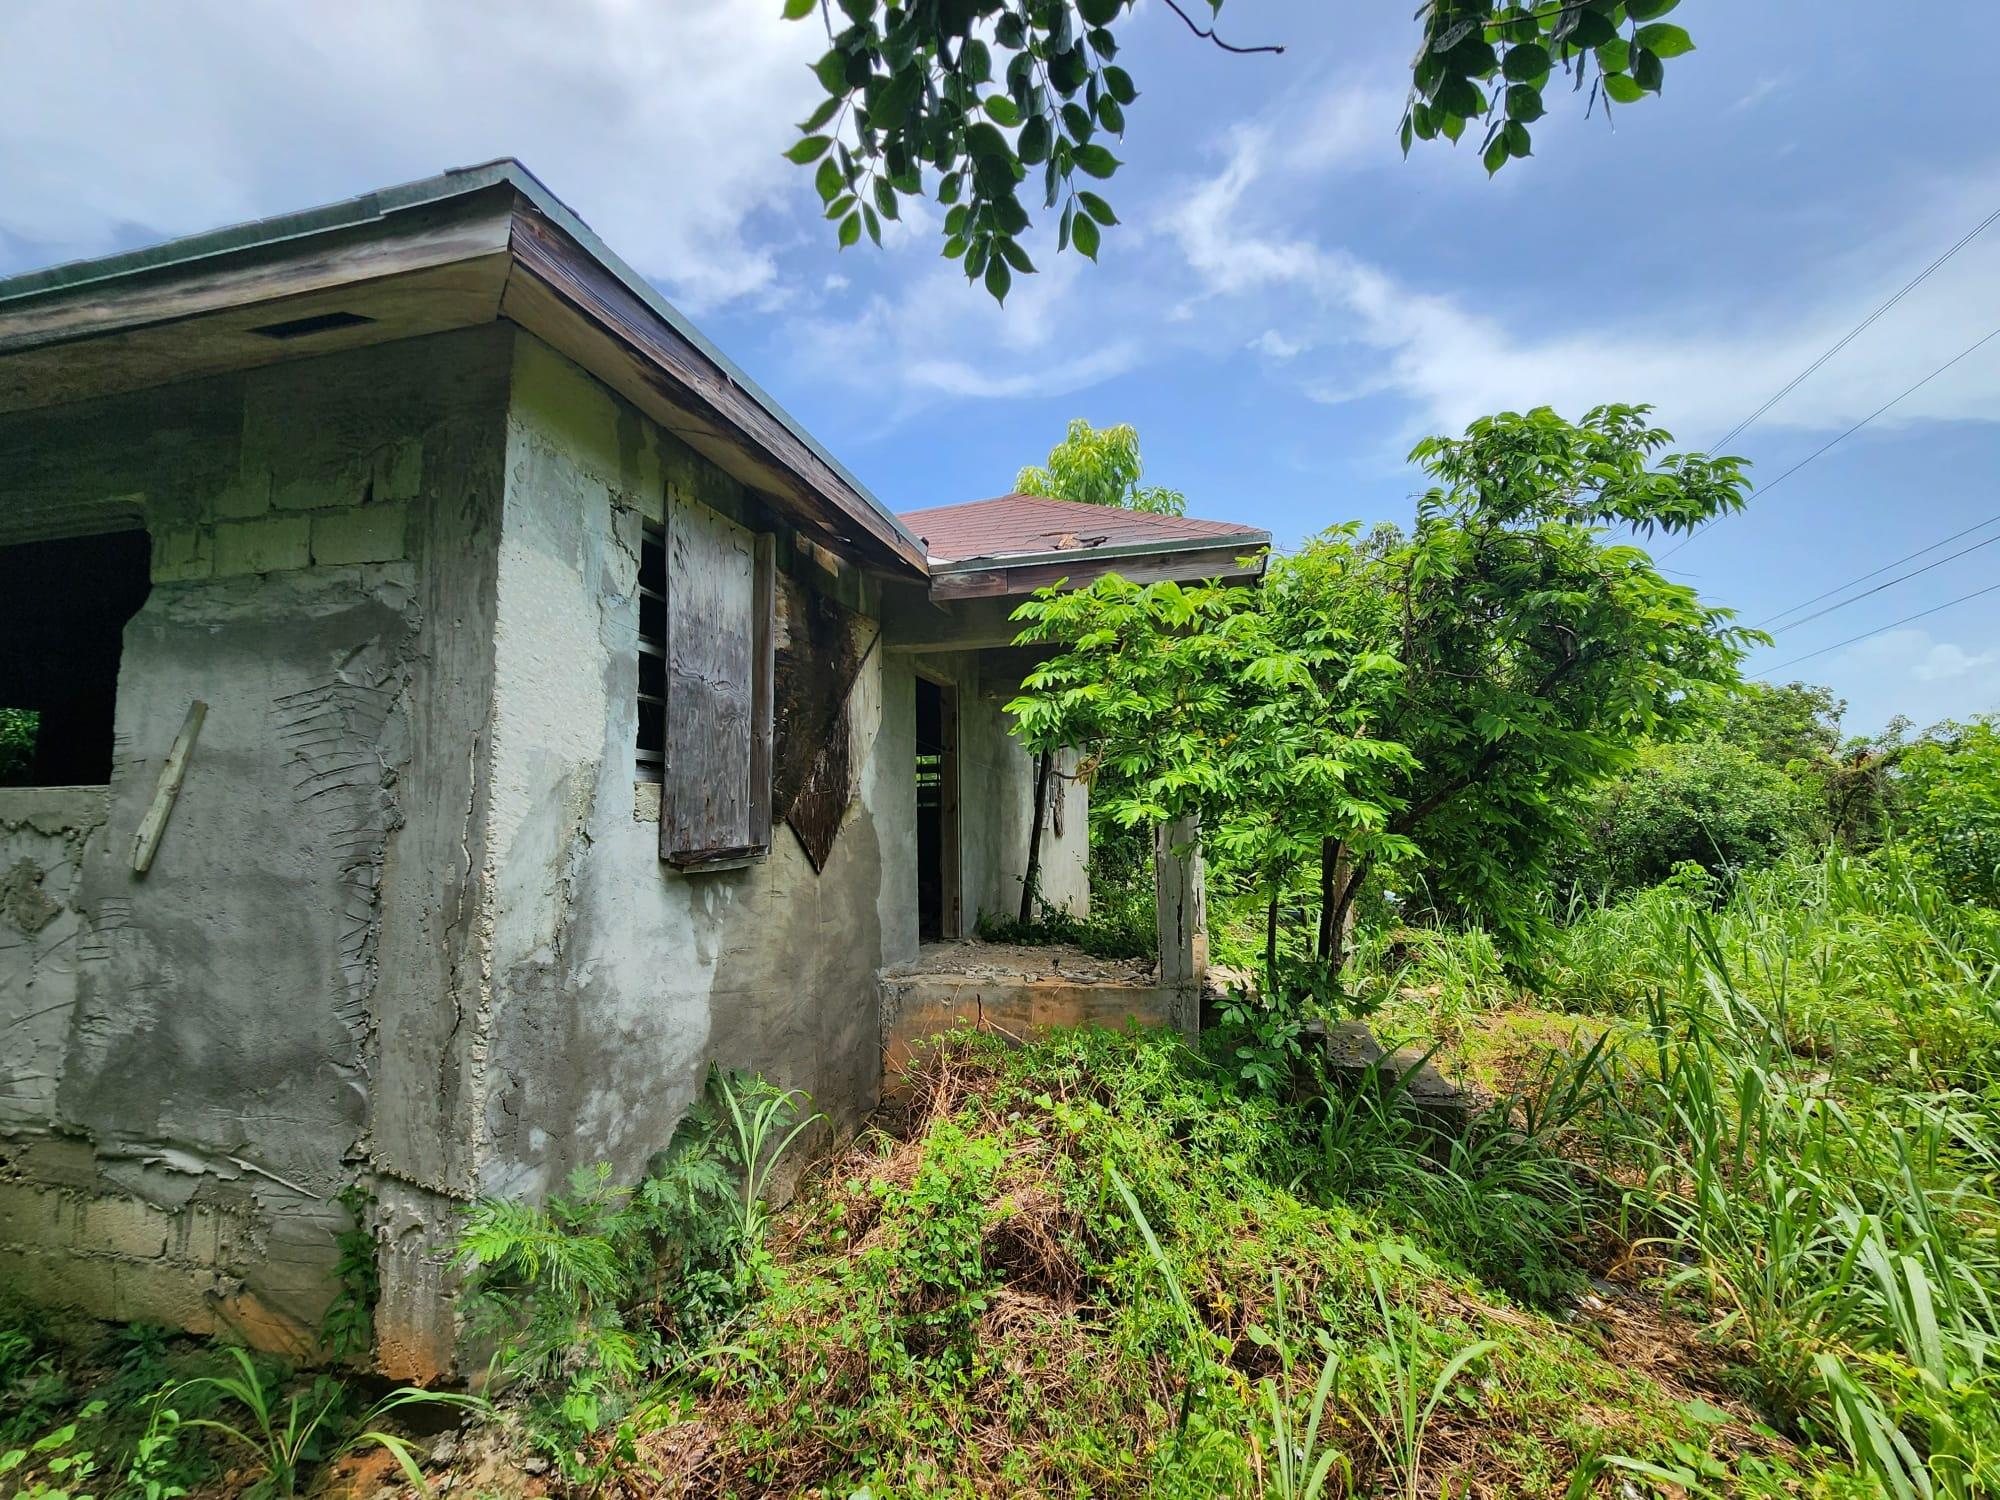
[[1893, 624], [1858, 329], [1908, 391], [1865, 593], [1912, 557]]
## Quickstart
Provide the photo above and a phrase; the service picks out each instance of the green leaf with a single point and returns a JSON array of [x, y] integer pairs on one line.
[[975, 61], [1496, 154], [1623, 88], [1110, 116], [1002, 109], [1664, 39], [1084, 235], [798, 10], [1648, 10], [810, 148], [1033, 143], [850, 230], [858, 10], [1524, 102], [1615, 56], [885, 199], [1591, 29], [1527, 62], [998, 279], [874, 224], [983, 140], [1648, 71], [1076, 120], [828, 108], [1515, 135], [1096, 207], [1099, 12], [1096, 161], [1461, 97], [828, 180], [1119, 83], [831, 70], [1016, 257]]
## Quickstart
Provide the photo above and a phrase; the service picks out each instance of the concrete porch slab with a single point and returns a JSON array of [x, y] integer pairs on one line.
[[1019, 992]]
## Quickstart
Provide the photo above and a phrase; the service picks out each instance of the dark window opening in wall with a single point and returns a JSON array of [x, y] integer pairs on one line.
[[63, 608], [650, 755], [937, 812]]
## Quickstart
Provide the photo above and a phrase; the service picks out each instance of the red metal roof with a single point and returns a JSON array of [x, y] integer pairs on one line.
[[1022, 525]]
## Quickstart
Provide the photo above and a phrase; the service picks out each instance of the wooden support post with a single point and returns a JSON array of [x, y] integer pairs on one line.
[[1180, 909], [172, 774]]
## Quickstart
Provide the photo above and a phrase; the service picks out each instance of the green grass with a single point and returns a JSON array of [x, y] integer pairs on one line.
[[1094, 1266]]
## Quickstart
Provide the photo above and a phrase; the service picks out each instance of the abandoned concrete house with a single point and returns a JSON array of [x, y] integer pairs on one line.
[[458, 707]]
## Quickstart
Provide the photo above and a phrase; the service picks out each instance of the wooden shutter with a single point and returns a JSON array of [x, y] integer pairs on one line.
[[715, 802]]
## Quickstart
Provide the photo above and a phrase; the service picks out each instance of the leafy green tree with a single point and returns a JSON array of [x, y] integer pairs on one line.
[[1781, 725], [1950, 793], [1436, 703], [1099, 466], [1707, 801], [976, 101]]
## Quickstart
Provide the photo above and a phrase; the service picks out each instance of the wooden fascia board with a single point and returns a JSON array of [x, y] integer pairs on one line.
[[428, 272], [1224, 564], [569, 300]]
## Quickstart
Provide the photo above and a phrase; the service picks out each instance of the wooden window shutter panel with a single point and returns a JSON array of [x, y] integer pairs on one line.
[[716, 795]]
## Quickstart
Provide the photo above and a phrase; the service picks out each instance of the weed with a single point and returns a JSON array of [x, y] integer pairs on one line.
[[348, 1328], [308, 1428]]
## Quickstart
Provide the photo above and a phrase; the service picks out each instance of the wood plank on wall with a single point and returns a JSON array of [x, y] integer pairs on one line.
[[707, 809]]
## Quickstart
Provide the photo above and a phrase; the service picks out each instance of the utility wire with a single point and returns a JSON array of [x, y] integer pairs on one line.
[[1857, 330], [1920, 614], [1912, 557], [1816, 614], [1765, 489]]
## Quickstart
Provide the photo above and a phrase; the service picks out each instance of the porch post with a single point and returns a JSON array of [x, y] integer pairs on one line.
[[1182, 914]]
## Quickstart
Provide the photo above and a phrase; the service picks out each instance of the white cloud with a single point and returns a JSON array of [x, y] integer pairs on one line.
[[1275, 345], [1704, 368], [935, 335], [1910, 672], [1759, 91], [661, 124]]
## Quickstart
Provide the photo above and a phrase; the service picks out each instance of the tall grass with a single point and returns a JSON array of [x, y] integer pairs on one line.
[[1809, 1089]]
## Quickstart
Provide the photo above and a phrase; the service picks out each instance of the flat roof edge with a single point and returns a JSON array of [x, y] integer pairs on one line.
[[376, 206]]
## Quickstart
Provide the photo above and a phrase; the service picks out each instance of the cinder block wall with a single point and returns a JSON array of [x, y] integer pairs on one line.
[[197, 1060]]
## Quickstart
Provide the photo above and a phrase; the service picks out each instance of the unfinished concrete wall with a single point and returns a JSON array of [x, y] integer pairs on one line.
[[200, 1058], [618, 979], [996, 800]]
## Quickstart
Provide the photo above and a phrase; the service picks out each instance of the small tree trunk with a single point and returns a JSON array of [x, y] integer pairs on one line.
[[1271, 951], [1338, 886], [1031, 883]]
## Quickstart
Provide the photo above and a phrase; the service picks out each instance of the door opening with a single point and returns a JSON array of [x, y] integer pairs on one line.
[[937, 812]]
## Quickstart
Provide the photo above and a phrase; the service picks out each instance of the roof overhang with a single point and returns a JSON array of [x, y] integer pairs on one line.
[[1239, 558], [465, 248]]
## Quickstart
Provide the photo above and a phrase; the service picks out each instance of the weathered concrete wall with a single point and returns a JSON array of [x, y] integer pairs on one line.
[[617, 979], [200, 1058]]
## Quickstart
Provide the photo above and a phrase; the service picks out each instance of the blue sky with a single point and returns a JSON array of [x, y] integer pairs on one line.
[[1289, 304]]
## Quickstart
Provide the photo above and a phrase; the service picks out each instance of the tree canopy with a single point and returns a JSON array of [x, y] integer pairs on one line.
[[1432, 703], [978, 102], [1099, 466]]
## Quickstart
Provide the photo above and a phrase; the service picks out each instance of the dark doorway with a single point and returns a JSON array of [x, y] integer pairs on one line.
[[63, 608], [937, 811]]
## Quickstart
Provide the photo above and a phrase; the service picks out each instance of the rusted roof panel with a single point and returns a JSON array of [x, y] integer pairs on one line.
[[1033, 526]]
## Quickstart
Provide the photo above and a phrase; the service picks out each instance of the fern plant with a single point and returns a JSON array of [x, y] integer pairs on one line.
[[602, 1284]]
